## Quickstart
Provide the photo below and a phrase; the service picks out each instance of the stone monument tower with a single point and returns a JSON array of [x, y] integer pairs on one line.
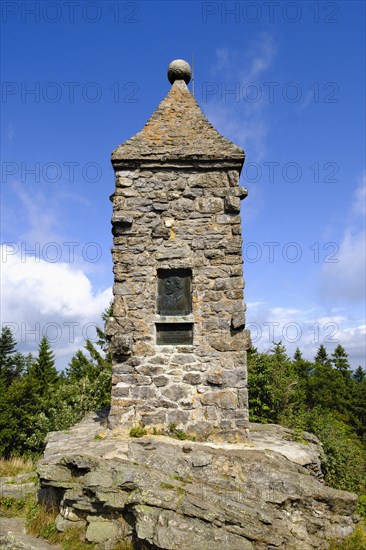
[[177, 335]]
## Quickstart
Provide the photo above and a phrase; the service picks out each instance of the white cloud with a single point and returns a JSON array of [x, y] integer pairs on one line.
[[345, 279], [306, 101], [230, 104], [306, 329], [260, 56], [42, 212], [222, 58], [251, 64], [358, 208], [53, 299]]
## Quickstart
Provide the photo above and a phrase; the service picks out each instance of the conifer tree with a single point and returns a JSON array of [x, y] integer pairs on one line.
[[322, 356], [10, 361], [272, 384], [302, 370], [43, 370], [7, 344], [302, 367], [79, 367], [83, 366], [340, 359], [359, 375]]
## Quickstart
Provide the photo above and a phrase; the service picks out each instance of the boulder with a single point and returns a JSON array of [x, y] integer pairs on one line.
[[188, 495]]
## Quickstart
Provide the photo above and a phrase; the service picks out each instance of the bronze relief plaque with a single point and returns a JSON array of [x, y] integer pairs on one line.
[[174, 292]]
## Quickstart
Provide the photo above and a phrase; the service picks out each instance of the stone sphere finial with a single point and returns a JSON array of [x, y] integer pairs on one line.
[[179, 70]]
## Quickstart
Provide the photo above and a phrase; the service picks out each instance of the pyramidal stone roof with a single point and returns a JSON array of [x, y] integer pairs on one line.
[[178, 130]]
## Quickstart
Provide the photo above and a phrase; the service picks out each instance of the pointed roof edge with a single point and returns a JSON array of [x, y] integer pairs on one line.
[[178, 133]]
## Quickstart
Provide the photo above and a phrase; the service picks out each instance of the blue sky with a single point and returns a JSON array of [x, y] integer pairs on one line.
[[284, 80]]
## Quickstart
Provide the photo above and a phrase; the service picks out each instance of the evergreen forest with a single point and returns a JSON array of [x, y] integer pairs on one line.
[[323, 396]]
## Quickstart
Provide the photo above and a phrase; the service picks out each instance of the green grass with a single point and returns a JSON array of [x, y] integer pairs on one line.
[[166, 486], [12, 507], [16, 465], [178, 434], [137, 431], [361, 506], [41, 524], [33, 479], [178, 478], [357, 541]]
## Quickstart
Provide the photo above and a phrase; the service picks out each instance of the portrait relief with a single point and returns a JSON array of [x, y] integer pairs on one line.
[[174, 292]]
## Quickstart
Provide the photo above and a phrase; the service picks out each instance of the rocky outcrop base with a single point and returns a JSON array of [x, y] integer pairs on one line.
[[162, 493]]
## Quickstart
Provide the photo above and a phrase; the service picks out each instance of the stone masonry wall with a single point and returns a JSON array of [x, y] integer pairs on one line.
[[168, 219]]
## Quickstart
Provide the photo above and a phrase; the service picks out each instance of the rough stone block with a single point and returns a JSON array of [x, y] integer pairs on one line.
[[232, 204], [214, 253], [63, 524], [142, 380], [243, 399], [178, 417], [143, 392], [183, 359], [210, 205], [127, 288], [224, 399], [215, 378], [122, 368], [175, 392], [211, 414], [192, 378], [119, 307], [123, 181], [101, 530], [150, 370], [243, 193], [226, 342], [160, 381], [154, 418], [238, 320], [121, 391], [228, 219]]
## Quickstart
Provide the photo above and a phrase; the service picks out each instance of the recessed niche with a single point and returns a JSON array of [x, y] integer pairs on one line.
[[121, 224]]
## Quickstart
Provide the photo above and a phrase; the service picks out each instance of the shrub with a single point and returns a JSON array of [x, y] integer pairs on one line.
[[138, 431]]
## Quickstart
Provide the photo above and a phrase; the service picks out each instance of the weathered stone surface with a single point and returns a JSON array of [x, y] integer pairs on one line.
[[243, 193], [192, 378], [164, 530], [160, 380], [177, 133], [14, 537], [188, 495], [238, 320], [232, 204], [101, 530], [64, 524], [215, 378], [18, 486], [121, 345], [176, 207], [224, 399], [175, 392]]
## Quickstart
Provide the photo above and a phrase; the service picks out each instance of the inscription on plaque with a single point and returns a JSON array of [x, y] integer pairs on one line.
[[170, 334], [174, 292]]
